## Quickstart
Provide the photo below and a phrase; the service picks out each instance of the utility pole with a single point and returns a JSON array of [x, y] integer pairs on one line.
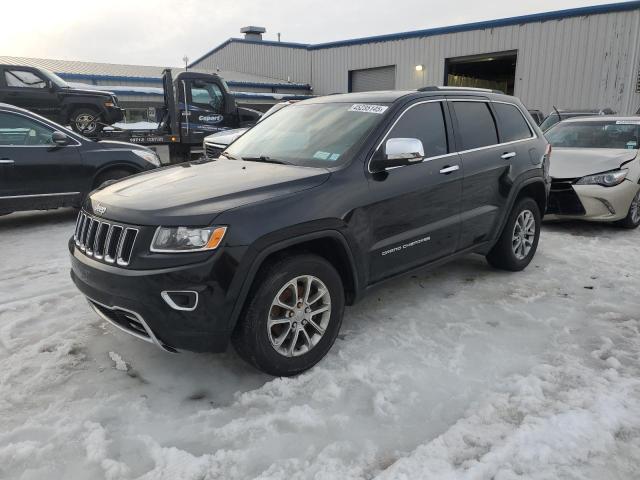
[[185, 59]]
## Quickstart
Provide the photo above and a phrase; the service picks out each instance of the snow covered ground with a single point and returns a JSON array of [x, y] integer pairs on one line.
[[460, 373]]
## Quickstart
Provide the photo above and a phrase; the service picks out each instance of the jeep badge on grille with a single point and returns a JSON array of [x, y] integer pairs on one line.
[[100, 209]]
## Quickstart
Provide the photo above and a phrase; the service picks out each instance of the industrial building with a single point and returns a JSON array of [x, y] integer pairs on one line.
[[578, 58]]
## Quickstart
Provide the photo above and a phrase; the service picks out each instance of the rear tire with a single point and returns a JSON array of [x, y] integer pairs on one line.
[[632, 220], [111, 176], [286, 326], [85, 121], [519, 240]]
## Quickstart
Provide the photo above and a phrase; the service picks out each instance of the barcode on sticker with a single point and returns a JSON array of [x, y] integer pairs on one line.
[[367, 108]]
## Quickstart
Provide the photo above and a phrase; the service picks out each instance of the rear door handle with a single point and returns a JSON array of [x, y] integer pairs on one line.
[[6, 161], [507, 155], [448, 169]]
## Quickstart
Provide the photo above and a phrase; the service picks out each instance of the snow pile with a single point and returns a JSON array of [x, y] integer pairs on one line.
[[461, 373]]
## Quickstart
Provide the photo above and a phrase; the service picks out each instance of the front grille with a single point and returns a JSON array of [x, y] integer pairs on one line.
[[104, 241], [563, 199], [213, 150]]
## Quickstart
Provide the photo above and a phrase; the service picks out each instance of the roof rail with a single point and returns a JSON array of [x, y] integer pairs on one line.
[[433, 88]]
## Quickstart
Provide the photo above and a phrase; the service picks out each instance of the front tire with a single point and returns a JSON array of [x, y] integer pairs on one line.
[[632, 220], [85, 121], [293, 315], [518, 242]]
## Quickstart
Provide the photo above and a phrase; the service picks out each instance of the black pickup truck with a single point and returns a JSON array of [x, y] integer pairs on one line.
[[267, 244], [45, 93]]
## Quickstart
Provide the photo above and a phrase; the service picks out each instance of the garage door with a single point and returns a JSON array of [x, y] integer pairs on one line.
[[369, 79]]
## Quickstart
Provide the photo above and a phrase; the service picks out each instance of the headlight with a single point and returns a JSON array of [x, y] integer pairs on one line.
[[186, 239], [607, 179], [149, 156]]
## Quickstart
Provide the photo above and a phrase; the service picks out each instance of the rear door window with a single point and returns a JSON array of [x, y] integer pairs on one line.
[[425, 122], [23, 79], [476, 126], [511, 124]]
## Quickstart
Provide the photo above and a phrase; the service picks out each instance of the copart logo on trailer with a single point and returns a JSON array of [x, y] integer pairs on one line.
[[211, 118]]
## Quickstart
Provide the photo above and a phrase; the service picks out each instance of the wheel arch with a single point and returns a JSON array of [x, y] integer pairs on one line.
[[328, 244], [118, 165], [533, 187], [70, 108]]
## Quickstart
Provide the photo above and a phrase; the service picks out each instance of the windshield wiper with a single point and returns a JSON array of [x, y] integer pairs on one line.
[[228, 155], [264, 158]]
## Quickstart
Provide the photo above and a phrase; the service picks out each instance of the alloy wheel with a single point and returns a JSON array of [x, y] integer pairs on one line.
[[86, 122], [299, 316], [634, 209], [524, 234]]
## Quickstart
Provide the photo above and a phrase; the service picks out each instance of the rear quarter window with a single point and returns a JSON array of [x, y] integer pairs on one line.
[[476, 126], [511, 123]]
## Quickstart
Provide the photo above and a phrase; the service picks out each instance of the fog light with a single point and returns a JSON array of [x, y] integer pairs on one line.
[[612, 210], [183, 300]]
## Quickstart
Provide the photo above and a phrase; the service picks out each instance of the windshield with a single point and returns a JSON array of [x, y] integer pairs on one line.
[[55, 78], [605, 134], [316, 135]]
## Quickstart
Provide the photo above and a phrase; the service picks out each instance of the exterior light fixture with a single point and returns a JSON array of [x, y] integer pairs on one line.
[[419, 68]]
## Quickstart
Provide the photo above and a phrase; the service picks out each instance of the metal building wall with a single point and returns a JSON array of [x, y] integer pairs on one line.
[[579, 62], [286, 63]]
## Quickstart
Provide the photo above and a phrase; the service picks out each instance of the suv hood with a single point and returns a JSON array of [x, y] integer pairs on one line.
[[578, 162], [87, 92], [195, 193]]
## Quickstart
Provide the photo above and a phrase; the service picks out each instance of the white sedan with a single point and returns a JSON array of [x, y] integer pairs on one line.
[[595, 170]]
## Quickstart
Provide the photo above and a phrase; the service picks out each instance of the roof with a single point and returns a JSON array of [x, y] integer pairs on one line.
[[78, 71], [502, 22]]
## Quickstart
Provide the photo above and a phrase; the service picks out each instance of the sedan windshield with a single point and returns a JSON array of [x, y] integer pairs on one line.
[[313, 134], [606, 134]]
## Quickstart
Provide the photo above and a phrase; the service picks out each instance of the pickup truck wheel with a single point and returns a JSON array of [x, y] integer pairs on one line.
[[519, 240], [293, 315], [85, 121]]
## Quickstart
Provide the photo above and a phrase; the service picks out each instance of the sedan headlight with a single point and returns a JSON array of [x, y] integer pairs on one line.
[[187, 239], [149, 156], [607, 179]]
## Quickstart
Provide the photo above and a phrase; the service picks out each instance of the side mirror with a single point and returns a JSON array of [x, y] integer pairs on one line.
[[59, 138], [50, 86], [397, 152]]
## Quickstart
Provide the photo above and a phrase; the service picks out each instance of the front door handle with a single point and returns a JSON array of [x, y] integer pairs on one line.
[[448, 169], [508, 155], [6, 161]]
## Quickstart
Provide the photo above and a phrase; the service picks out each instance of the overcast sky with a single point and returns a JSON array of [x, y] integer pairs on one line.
[[159, 32]]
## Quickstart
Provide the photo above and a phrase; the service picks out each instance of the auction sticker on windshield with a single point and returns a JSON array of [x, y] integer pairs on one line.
[[366, 108], [627, 122]]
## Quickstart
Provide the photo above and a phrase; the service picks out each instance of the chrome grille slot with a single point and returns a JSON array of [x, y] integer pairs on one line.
[[213, 150], [102, 240], [113, 243], [101, 236], [127, 240]]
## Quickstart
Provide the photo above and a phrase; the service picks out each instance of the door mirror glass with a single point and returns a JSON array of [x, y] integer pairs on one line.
[[59, 138], [398, 152]]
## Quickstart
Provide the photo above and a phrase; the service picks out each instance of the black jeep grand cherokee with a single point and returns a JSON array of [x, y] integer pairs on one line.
[[307, 211]]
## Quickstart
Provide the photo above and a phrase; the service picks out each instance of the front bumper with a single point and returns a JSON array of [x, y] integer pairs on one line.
[[132, 301], [592, 202], [113, 115]]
